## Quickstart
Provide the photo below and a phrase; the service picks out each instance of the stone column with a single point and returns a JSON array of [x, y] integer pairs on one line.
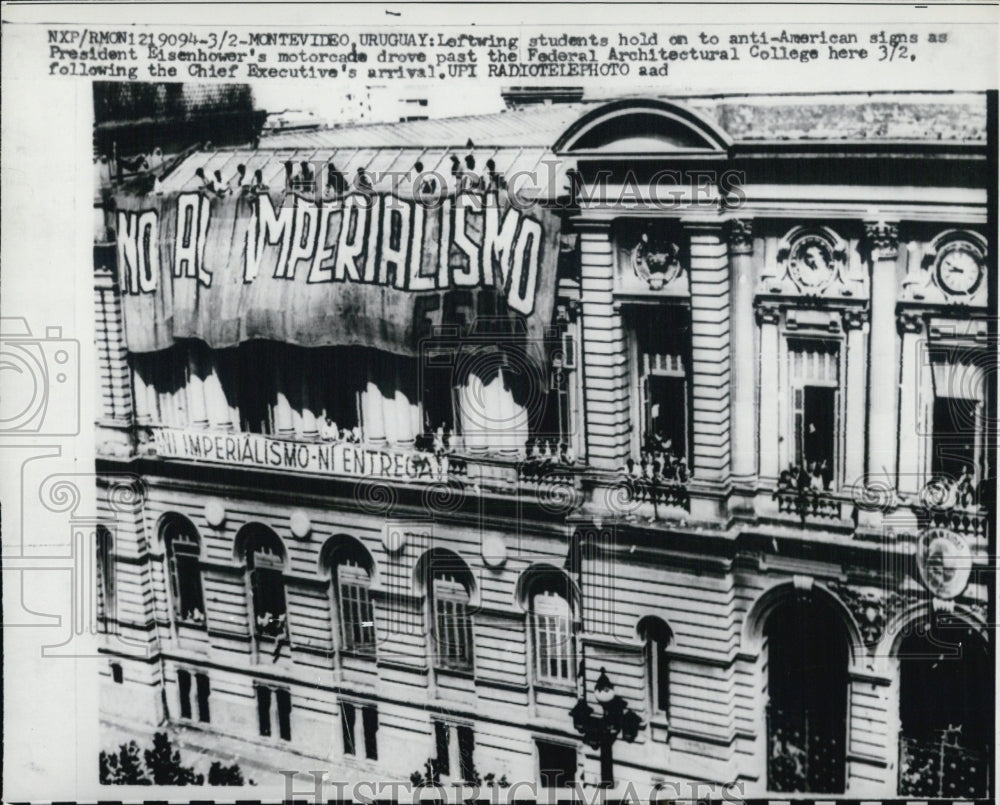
[[883, 354], [768, 319], [855, 323], [743, 452], [605, 354], [911, 465]]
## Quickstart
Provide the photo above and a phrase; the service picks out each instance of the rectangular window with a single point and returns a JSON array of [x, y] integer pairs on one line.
[[203, 693], [663, 349], [466, 753], [284, 701], [347, 715], [268, 590], [556, 764], [264, 710], [184, 691], [442, 746], [105, 576], [186, 576], [455, 746], [369, 722], [661, 677], [357, 615], [814, 380], [453, 624], [955, 437]]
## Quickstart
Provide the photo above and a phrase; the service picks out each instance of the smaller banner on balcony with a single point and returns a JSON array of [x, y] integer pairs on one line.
[[378, 270], [315, 458]]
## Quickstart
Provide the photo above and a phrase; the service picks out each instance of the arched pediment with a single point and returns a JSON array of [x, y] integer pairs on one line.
[[634, 126]]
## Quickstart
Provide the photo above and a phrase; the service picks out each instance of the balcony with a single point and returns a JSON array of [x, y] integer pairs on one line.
[[804, 495], [954, 504]]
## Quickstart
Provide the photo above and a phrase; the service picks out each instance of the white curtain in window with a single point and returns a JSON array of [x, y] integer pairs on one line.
[[492, 420], [389, 406]]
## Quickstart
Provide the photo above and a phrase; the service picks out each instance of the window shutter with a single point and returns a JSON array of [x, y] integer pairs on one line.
[[284, 702], [441, 743], [184, 686], [369, 718], [203, 693], [347, 727], [264, 710], [466, 751]]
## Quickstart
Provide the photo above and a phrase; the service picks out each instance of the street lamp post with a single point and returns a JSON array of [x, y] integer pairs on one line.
[[600, 732]]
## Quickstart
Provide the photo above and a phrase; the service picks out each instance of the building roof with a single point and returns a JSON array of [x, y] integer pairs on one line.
[[521, 139], [955, 117]]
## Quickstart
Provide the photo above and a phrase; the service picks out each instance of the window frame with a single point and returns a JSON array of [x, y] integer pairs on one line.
[[265, 560], [789, 384], [538, 741], [105, 570], [176, 531], [548, 596], [942, 358], [352, 599], [453, 609], [641, 369], [274, 709], [459, 766], [349, 712]]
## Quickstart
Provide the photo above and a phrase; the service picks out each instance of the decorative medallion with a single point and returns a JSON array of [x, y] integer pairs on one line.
[[656, 261], [811, 263], [215, 512], [494, 551], [300, 524], [944, 561]]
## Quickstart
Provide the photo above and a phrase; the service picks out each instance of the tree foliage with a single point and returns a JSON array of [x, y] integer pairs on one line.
[[160, 765]]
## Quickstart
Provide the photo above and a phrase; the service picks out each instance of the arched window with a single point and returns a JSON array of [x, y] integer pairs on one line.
[[105, 575], [183, 550], [656, 635], [265, 564], [448, 584], [550, 598], [807, 658], [350, 567], [946, 736]]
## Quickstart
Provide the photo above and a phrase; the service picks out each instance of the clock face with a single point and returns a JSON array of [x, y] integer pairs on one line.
[[959, 269], [812, 264]]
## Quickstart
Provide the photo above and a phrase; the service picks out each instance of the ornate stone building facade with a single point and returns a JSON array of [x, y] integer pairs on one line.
[[755, 489]]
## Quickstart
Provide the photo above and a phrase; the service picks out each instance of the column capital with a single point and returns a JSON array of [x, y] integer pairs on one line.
[[767, 313], [854, 319], [910, 321], [741, 236], [882, 239]]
